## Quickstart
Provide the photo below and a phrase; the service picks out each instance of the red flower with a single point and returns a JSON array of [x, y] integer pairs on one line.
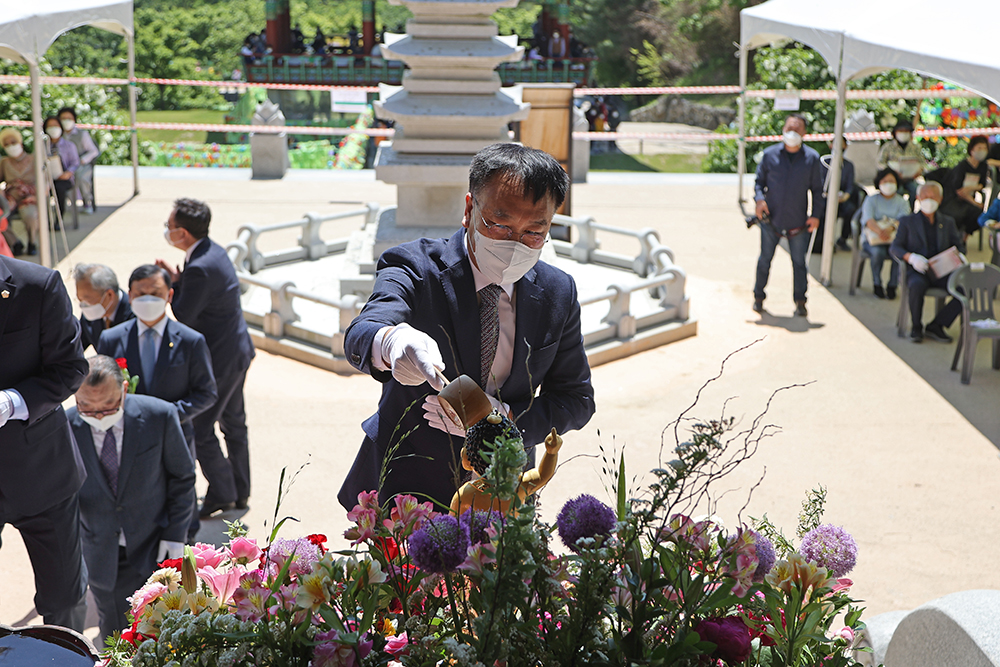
[[121, 362], [319, 540], [171, 562], [387, 546]]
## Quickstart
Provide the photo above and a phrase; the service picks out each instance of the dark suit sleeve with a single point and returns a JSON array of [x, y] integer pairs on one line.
[[179, 472], [204, 392], [566, 397], [816, 186], [63, 366], [760, 181], [191, 294]]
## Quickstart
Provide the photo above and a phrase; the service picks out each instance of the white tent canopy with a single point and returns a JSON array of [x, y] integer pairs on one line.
[[26, 33], [862, 37]]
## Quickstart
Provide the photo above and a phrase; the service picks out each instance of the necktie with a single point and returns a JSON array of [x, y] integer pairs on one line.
[[489, 322], [109, 461], [147, 352]]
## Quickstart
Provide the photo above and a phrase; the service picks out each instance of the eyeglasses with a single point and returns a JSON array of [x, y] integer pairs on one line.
[[100, 414], [499, 232]]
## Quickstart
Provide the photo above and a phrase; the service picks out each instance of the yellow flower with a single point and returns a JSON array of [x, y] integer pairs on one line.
[[313, 591], [167, 576], [388, 628], [781, 576]]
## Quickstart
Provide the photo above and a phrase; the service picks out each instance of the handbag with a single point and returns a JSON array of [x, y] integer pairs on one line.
[[55, 165], [884, 224]]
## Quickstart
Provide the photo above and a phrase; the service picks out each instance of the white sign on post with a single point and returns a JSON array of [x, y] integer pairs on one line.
[[786, 100], [348, 100]]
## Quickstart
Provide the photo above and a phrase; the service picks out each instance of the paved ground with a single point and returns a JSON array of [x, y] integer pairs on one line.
[[906, 452]]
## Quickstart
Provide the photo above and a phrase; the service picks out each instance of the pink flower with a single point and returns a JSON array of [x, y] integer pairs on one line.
[[145, 595], [222, 584], [331, 652], [243, 550], [845, 636], [396, 646], [207, 554], [365, 528], [730, 636], [251, 603], [479, 556], [408, 514], [284, 598]]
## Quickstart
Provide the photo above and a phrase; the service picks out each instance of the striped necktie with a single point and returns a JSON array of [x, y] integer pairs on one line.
[[489, 322], [109, 461]]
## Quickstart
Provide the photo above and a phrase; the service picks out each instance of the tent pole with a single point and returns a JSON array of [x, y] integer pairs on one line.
[[130, 39], [741, 154], [41, 188], [829, 231]]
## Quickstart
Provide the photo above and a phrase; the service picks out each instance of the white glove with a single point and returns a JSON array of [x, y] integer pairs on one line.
[[918, 262], [169, 550], [437, 418], [412, 355], [6, 407]]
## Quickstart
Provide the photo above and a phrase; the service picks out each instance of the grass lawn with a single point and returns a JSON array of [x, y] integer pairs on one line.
[[183, 116], [663, 162]]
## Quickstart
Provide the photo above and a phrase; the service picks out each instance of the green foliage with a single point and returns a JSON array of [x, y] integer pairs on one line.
[[612, 28], [812, 511], [649, 64]]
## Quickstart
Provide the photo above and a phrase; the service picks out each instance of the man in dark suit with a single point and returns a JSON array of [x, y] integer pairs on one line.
[[480, 304], [102, 303], [921, 236], [41, 365], [135, 505], [207, 299]]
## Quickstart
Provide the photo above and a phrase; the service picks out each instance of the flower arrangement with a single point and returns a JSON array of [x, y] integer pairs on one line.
[[642, 583]]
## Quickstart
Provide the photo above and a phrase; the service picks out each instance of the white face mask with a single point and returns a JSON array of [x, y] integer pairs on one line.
[[979, 154], [903, 137], [503, 262], [167, 234], [54, 132], [792, 139], [14, 150], [92, 313], [106, 422], [928, 206], [888, 189], [67, 124], [148, 308]]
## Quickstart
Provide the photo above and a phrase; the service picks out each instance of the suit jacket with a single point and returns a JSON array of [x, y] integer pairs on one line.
[[429, 284], [41, 358], [207, 299], [92, 330], [912, 235], [183, 374], [155, 489]]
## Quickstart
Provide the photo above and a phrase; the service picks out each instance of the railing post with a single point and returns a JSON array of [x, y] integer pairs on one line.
[[372, 215], [619, 315], [281, 311], [586, 240], [310, 240], [256, 258], [648, 239]]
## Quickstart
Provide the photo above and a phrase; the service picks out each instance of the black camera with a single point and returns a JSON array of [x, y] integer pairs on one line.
[[752, 220]]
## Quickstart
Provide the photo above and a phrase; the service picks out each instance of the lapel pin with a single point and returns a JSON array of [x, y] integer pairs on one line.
[[5, 294], [171, 344]]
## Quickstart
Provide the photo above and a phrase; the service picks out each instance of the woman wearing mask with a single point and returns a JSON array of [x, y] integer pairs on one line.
[[961, 185], [89, 152], [880, 216], [903, 156], [70, 159], [17, 172]]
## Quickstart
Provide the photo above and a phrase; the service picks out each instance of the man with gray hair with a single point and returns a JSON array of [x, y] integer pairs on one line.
[[922, 235], [102, 303], [136, 503]]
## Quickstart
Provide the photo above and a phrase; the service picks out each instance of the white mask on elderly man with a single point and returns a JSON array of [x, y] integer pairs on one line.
[[148, 308], [928, 206], [503, 262], [107, 422], [14, 150], [92, 312], [792, 139], [67, 124]]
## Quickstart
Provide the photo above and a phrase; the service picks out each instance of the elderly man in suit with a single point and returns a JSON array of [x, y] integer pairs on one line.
[[920, 236], [135, 505], [207, 299], [102, 303], [481, 304], [41, 365]]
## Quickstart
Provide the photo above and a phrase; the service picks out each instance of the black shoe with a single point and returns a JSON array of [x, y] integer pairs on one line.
[[843, 245], [32, 250], [18, 249], [917, 335], [879, 292], [241, 503], [208, 509], [890, 292], [758, 305], [800, 309], [936, 332]]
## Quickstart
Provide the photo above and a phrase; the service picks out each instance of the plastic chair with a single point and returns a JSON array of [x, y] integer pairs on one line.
[[979, 283], [858, 254], [937, 293]]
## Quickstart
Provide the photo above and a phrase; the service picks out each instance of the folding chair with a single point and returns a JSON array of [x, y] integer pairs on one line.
[[937, 293], [979, 283]]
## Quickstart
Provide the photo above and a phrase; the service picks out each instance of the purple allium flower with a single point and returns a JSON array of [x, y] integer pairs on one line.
[[831, 547], [440, 545], [765, 556], [584, 516], [477, 521], [306, 553]]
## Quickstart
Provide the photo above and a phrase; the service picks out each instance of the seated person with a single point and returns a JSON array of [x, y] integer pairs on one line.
[[903, 156], [68, 156], [846, 207], [921, 236], [963, 182], [17, 172], [476, 494], [89, 152], [887, 205]]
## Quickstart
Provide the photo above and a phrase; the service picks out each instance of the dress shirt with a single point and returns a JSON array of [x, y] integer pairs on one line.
[[190, 251], [98, 436], [20, 407], [784, 180], [160, 327], [500, 370], [85, 145]]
